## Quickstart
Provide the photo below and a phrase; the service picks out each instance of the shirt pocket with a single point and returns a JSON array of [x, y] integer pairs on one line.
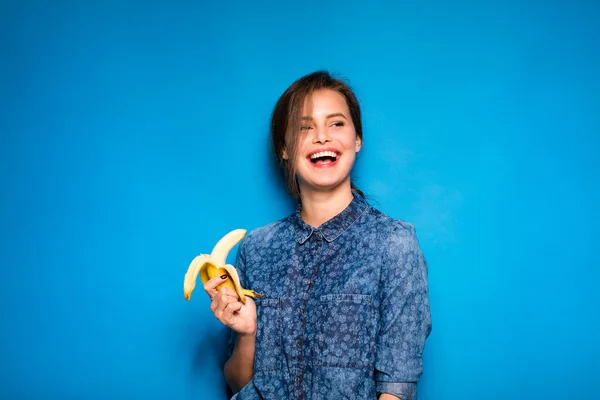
[[344, 334], [267, 354]]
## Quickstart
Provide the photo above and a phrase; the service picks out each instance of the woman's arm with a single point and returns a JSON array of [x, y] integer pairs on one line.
[[386, 396], [241, 318], [239, 368], [405, 317]]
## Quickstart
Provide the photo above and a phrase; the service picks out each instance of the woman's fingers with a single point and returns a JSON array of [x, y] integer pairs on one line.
[[223, 297], [220, 301], [225, 302], [225, 293], [228, 317], [210, 287], [231, 312]]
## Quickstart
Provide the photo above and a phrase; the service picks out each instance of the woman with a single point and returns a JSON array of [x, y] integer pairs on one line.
[[346, 311]]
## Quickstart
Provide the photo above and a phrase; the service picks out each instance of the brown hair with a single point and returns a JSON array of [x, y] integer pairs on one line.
[[286, 120]]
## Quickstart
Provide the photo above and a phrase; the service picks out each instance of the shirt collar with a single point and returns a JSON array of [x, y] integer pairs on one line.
[[334, 227]]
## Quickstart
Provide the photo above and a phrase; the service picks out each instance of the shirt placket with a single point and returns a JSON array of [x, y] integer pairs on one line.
[[313, 249]]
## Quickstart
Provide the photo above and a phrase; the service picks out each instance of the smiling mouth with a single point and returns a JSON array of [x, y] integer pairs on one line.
[[323, 158]]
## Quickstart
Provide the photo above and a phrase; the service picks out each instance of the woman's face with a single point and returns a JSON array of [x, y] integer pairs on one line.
[[327, 143]]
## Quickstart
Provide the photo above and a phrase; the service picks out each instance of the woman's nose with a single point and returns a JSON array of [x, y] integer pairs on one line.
[[321, 135]]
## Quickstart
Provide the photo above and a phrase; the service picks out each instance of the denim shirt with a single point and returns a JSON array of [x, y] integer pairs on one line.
[[346, 310]]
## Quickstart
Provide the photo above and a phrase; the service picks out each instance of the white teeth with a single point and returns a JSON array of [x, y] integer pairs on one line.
[[324, 154]]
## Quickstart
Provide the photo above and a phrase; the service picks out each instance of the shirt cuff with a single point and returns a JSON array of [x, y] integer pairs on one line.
[[404, 390]]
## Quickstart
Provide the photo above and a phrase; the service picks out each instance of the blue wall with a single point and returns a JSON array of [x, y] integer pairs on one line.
[[133, 136]]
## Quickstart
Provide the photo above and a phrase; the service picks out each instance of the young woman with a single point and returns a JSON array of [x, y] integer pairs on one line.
[[346, 311]]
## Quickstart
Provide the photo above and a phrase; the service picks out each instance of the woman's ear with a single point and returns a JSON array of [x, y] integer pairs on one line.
[[358, 144], [284, 154]]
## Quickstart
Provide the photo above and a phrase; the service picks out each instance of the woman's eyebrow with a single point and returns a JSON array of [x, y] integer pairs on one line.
[[308, 118], [336, 115]]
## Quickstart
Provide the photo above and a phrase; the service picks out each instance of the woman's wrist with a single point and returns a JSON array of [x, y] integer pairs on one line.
[[247, 335]]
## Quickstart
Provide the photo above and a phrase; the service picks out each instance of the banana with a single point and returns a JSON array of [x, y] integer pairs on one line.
[[209, 266]]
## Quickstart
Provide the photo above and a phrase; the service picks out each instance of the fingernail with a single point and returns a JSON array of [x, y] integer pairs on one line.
[[224, 276]]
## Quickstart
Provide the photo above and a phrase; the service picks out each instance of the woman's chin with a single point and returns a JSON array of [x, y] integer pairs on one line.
[[323, 185]]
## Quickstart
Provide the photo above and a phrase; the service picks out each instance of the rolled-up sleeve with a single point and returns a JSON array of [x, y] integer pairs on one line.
[[405, 317]]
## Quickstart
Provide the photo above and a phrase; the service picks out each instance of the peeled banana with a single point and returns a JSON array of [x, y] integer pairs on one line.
[[213, 265]]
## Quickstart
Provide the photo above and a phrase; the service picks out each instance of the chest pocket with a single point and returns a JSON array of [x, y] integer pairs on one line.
[[267, 355], [344, 331]]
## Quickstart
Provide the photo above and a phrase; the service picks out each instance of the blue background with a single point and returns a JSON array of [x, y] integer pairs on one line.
[[134, 135]]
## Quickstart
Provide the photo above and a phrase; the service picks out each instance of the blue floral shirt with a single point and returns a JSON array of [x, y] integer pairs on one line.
[[346, 310]]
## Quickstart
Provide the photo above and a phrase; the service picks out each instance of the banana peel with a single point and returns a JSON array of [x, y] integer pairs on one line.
[[209, 266]]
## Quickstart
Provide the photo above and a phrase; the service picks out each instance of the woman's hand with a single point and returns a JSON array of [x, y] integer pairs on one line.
[[228, 308]]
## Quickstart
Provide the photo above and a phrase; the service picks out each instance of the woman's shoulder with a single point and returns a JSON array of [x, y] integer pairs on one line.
[[397, 237], [275, 231], [388, 224]]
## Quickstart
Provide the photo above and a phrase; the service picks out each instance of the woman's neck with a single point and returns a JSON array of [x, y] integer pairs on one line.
[[319, 207]]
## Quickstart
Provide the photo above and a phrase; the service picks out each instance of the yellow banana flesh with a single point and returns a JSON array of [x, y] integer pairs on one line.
[[210, 266]]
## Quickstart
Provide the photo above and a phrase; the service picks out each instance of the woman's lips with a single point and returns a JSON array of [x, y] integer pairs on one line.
[[324, 163]]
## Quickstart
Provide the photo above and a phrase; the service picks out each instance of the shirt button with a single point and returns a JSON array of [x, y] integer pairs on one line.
[[298, 378], [307, 281]]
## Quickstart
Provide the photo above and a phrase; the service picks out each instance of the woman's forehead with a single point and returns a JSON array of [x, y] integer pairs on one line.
[[324, 102]]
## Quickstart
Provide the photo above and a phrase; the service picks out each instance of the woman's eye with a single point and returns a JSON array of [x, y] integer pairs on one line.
[[338, 124], [304, 127]]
